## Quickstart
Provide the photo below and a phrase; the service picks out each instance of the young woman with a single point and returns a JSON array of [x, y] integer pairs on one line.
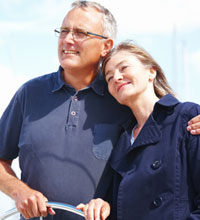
[[155, 166]]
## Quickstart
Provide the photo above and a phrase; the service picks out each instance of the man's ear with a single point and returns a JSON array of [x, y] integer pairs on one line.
[[107, 46]]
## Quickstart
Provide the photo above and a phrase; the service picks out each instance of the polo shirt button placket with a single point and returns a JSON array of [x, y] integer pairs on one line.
[[73, 113], [75, 98]]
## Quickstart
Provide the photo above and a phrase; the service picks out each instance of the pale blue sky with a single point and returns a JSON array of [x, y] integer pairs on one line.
[[168, 29]]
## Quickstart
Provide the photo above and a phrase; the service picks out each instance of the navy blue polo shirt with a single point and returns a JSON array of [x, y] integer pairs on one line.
[[63, 138]]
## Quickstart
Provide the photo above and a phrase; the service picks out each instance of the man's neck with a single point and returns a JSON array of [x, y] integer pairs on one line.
[[78, 79]]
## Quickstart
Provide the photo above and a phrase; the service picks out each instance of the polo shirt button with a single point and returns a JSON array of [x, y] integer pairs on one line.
[[75, 98], [158, 202], [156, 164], [73, 113]]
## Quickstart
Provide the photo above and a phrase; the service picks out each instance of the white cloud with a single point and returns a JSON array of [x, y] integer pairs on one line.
[[195, 60], [132, 15], [8, 3], [154, 16], [13, 26], [37, 16], [51, 9], [8, 85]]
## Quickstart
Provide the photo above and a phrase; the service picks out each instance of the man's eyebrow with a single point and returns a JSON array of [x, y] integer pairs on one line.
[[75, 28]]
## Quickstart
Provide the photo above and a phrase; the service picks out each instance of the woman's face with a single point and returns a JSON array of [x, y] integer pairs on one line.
[[127, 77]]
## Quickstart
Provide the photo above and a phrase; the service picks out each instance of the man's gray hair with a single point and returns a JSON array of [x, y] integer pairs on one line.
[[108, 23]]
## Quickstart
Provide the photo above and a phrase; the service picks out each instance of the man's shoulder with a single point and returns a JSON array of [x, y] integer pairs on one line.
[[188, 109], [172, 105], [38, 85], [42, 80]]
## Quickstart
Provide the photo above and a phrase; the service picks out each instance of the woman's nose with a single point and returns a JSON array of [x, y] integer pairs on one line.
[[118, 76]]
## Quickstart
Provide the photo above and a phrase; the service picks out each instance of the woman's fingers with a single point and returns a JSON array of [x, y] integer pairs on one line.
[[96, 209]]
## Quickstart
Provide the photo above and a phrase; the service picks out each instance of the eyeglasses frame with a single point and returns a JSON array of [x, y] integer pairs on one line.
[[87, 33]]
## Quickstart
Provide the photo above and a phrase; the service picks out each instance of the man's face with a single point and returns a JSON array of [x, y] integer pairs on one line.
[[81, 54]]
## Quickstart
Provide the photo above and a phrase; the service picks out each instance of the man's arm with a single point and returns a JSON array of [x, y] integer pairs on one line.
[[194, 125], [30, 203]]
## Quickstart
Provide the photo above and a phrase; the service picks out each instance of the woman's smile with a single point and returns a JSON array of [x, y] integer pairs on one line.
[[122, 85]]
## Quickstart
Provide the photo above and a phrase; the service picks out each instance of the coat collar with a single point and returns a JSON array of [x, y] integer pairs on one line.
[[151, 134], [151, 131], [167, 101]]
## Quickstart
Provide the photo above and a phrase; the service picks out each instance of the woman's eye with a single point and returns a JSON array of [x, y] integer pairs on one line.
[[123, 68], [109, 78]]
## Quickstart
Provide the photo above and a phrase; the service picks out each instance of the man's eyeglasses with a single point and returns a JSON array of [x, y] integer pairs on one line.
[[77, 34]]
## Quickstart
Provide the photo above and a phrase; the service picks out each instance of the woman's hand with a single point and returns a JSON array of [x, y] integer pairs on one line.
[[96, 209]]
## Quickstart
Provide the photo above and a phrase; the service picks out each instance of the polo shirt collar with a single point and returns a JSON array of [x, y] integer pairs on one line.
[[58, 81], [98, 85]]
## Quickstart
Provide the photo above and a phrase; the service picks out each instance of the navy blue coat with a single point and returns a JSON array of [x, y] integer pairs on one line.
[[158, 177]]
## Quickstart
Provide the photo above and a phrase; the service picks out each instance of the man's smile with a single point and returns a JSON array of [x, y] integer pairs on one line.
[[70, 52]]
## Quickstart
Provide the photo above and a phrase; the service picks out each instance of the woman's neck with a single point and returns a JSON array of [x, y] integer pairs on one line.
[[142, 108]]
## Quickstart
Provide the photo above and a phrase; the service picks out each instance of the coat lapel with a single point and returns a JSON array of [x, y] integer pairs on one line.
[[150, 134], [118, 156]]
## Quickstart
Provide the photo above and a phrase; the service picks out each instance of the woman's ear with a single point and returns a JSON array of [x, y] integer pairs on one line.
[[152, 74], [107, 46]]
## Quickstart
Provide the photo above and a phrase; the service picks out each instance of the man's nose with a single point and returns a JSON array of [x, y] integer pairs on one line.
[[69, 36]]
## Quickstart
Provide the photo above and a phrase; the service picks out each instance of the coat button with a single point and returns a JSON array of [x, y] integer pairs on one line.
[[156, 164], [158, 202]]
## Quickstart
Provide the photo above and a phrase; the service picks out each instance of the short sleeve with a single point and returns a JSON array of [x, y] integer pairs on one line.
[[10, 126]]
